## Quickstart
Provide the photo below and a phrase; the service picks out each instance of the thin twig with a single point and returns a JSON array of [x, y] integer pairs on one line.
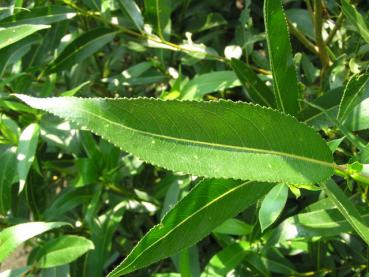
[[334, 30], [303, 39], [318, 25]]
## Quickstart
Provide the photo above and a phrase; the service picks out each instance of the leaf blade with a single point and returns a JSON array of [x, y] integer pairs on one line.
[[207, 213], [280, 57], [185, 144]]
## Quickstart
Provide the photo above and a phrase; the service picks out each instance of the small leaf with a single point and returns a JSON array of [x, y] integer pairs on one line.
[[26, 152], [356, 19], [286, 90], [209, 204], [12, 237], [133, 11], [8, 176], [272, 205], [226, 260], [214, 139], [62, 250], [81, 48], [209, 82], [256, 88], [11, 35], [347, 209], [352, 95]]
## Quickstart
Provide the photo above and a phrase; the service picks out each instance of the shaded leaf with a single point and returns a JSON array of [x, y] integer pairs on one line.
[[256, 88], [356, 19], [217, 139], [286, 90], [132, 10], [195, 216]]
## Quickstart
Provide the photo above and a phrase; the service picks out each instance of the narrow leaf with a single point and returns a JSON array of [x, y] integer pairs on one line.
[[280, 56], [8, 176], [12, 237], [11, 35], [157, 12], [62, 250], [356, 19], [255, 87], [26, 152], [209, 204], [352, 95], [214, 139], [347, 209], [132, 10], [272, 205], [209, 82], [40, 15], [81, 48]]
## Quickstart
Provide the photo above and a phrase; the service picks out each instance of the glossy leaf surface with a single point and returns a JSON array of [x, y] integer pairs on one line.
[[214, 139], [13, 236]]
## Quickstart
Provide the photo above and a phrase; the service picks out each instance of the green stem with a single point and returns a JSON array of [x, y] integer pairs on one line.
[[318, 25], [334, 30], [302, 38]]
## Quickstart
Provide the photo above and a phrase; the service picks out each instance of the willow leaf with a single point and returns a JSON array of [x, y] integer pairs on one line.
[[209, 204], [280, 56], [212, 139]]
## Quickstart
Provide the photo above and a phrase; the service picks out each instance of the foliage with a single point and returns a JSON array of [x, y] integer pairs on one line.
[[184, 138]]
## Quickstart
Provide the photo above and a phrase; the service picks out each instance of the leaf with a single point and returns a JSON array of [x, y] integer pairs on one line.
[[132, 10], [26, 152], [40, 15], [209, 82], [13, 236], [62, 250], [226, 260], [11, 35], [352, 95], [286, 90], [8, 177], [209, 204], [81, 48], [272, 205], [356, 19], [302, 19], [214, 139], [347, 209], [256, 88], [157, 13], [234, 227]]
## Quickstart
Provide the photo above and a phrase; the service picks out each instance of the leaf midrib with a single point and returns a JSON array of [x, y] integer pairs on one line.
[[215, 145]]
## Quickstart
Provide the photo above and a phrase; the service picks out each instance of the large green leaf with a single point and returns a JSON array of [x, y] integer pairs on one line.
[[256, 88], [347, 209], [209, 82], [214, 139], [61, 250], [209, 204], [26, 151], [11, 35], [8, 176], [280, 56], [15, 235], [356, 19], [81, 48]]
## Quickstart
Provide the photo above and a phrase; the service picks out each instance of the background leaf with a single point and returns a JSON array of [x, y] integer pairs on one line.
[[280, 56]]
